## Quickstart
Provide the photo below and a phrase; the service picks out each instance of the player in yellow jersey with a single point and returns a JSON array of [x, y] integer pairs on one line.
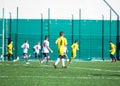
[[10, 50], [61, 43], [74, 49], [112, 51]]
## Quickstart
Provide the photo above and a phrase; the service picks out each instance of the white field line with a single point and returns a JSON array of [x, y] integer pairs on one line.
[[84, 68], [90, 69], [64, 77], [95, 69]]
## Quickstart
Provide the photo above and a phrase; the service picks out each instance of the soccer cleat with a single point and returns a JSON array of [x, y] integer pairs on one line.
[[64, 66], [115, 60], [54, 66]]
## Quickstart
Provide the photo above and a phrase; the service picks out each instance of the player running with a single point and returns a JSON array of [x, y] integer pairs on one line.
[[112, 51], [74, 49], [25, 47], [36, 49], [61, 43], [45, 50], [10, 51]]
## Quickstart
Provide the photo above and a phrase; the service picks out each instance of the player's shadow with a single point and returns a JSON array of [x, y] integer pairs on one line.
[[105, 75]]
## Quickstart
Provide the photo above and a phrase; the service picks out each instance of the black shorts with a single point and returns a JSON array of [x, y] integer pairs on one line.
[[37, 55], [25, 54], [61, 57], [46, 54]]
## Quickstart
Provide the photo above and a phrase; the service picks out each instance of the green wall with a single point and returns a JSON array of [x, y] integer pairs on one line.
[[89, 34]]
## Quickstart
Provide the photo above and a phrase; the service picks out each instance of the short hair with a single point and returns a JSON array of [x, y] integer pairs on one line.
[[61, 33], [26, 40], [76, 41], [46, 37], [110, 41]]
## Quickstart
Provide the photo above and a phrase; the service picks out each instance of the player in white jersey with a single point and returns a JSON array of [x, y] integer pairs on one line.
[[45, 50], [25, 47], [36, 49]]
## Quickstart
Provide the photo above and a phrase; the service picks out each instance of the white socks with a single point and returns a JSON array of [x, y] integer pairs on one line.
[[58, 60]]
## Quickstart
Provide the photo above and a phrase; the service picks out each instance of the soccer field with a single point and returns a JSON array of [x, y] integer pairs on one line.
[[76, 74]]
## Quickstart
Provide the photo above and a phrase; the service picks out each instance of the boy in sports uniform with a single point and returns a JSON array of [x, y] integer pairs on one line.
[[112, 51], [74, 49], [25, 47], [36, 49], [45, 50], [61, 43], [10, 51]]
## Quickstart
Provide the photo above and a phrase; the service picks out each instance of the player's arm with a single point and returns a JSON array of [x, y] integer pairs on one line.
[[22, 46], [50, 49], [27, 46], [56, 42], [34, 49], [65, 42], [77, 47], [72, 46]]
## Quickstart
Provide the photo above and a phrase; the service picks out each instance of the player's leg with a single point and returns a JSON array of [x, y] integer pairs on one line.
[[58, 60], [12, 56], [63, 62], [44, 54], [36, 55], [73, 56], [47, 59], [39, 57], [66, 56], [8, 57], [113, 58], [26, 58]]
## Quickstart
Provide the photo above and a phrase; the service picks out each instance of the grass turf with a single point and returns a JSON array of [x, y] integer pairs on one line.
[[78, 73]]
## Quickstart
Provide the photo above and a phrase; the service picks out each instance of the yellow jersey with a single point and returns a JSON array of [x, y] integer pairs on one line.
[[61, 42], [112, 48], [74, 47], [10, 46]]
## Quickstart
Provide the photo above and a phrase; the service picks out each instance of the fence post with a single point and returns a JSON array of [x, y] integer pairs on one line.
[[103, 37]]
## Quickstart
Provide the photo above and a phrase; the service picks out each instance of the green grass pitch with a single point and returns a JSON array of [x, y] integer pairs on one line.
[[76, 74]]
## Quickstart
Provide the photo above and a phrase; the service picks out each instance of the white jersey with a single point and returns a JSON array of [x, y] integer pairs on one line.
[[45, 46], [37, 48], [65, 49], [25, 47]]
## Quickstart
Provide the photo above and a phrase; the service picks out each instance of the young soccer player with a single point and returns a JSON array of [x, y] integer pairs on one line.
[[74, 49], [25, 47], [10, 51], [37, 48], [61, 43], [112, 51], [45, 50]]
